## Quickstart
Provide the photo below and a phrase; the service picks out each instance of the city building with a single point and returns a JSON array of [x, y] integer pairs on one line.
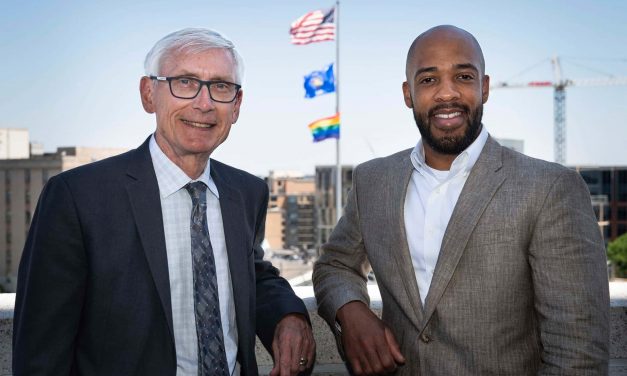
[[14, 143], [608, 190], [325, 198], [290, 221], [516, 145], [21, 183]]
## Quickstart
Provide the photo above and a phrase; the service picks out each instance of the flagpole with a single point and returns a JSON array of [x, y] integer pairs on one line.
[[338, 167]]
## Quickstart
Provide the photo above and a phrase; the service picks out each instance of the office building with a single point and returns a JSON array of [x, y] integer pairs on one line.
[[21, 183], [325, 198], [516, 145], [290, 221], [608, 190]]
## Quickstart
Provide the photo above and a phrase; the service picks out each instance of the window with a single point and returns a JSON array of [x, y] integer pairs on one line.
[[590, 177]]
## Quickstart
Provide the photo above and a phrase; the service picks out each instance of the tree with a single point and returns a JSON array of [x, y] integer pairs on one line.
[[617, 253]]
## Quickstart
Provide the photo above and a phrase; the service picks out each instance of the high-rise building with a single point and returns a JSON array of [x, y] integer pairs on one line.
[[325, 198], [290, 222], [21, 183], [608, 188]]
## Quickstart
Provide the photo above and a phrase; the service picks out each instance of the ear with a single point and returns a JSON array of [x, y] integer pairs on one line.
[[146, 89], [236, 105], [407, 95], [485, 89]]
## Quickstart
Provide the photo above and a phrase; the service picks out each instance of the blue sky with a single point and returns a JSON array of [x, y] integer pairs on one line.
[[71, 73]]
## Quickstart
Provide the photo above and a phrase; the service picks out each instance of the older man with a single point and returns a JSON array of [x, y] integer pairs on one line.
[[150, 263], [488, 262]]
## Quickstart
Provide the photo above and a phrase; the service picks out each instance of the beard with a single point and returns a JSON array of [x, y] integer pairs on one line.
[[450, 145]]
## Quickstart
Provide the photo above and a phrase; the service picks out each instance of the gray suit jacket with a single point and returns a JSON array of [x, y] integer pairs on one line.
[[520, 286]]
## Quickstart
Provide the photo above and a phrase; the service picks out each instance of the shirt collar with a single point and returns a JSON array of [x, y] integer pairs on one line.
[[464, 162], [170, 177]]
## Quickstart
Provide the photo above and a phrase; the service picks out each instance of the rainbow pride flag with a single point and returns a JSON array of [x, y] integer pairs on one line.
[[328, 127]]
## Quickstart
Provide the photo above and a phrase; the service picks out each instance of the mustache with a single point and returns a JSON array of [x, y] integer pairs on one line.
[[448, 106]]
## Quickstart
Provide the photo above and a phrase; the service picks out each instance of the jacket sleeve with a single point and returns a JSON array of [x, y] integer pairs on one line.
[[275, 297], [340, 274], [50, 287], [569, 274]]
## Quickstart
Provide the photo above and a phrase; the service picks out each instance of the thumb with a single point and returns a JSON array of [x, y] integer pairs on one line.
[[395, 349]]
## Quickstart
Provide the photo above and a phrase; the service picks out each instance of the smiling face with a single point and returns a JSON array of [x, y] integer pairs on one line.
[[446, 88], [189, 130]]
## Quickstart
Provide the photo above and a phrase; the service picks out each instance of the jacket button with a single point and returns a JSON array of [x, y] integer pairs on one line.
[[425, 338]]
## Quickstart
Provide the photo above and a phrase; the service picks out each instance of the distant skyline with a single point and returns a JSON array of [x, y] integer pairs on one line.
[[71, 74]]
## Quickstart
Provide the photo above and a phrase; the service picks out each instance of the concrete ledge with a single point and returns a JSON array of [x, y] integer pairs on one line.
[[328, 361]]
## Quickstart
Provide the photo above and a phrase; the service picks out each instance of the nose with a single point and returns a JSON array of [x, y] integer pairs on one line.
[[203, 101], [447, 91]]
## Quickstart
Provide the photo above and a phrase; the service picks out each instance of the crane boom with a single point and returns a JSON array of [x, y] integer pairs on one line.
[[559, 100]]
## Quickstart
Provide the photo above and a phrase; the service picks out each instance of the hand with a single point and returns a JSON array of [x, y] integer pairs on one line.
[[293, 341], [368, 343]]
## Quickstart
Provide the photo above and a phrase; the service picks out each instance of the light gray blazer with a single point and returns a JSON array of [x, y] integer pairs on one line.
[[520, 286]]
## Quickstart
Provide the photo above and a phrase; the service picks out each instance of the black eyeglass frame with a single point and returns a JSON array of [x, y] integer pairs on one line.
[[202, 83]]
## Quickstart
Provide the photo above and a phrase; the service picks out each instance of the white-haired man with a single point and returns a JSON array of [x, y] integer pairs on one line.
[[150, 263]]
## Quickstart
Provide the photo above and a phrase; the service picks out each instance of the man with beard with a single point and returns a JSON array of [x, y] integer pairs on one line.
[[488, 262]]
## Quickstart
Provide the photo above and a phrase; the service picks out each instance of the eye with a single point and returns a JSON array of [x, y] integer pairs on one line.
[[221, 85], [466, 77], [186, 81], [426, 80]]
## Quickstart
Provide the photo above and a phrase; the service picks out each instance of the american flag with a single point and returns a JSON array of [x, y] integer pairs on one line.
[[316, 26]]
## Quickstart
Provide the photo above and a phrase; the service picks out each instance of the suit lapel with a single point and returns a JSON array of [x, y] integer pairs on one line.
[[399, 180], [143, 193], [483, 181], [232, 209]]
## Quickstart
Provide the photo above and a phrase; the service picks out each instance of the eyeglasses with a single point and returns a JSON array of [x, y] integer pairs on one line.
[[189, 87]]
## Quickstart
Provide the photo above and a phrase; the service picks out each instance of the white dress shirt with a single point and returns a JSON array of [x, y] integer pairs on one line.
[[176, 207], [429, 202]]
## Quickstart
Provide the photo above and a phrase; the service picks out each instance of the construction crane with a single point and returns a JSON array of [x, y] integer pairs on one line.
[[559, 100]]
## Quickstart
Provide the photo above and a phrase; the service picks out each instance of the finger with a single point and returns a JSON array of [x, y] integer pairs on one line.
[[356, 366], [395, 349], [276, 351], [366, 366], [365, 356], [304, 355], [297, 347], [311, 354], [387, 361], [275, 370], [374, 363], [286, 361]]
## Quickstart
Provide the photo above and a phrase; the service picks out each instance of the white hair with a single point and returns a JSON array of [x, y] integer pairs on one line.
[[191, 40]]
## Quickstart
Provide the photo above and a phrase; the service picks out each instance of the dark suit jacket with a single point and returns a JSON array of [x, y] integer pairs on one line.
[[93, 294]]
